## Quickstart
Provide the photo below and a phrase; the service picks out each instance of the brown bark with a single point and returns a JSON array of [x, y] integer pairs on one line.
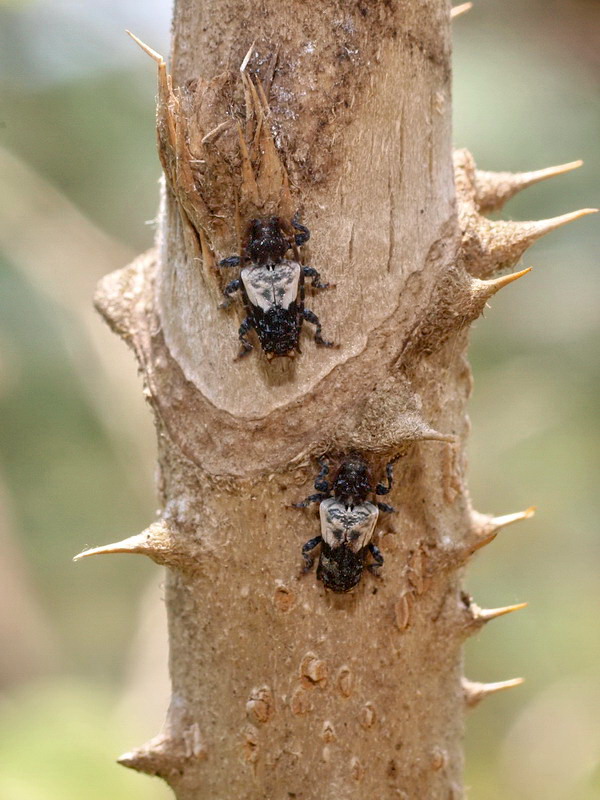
[[342, 110]]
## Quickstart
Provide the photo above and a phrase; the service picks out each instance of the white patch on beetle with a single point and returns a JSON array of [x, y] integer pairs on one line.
[[347, 526], [268, 286]]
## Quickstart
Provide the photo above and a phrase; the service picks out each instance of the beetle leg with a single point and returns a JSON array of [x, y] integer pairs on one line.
[[230, 289], [232, 261], [321, 485], [306, 548], [311, 272], [309, 316], [304, 235], [246, 325], [312, 498], [376, 553], [386, 508], [378, 559], [381, 488]]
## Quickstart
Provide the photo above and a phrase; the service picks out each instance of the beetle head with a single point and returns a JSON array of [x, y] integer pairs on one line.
[[352, 482], [268, 244]]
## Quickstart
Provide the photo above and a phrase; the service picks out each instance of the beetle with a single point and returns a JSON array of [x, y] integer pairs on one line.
[[348, 521], [272, 288]]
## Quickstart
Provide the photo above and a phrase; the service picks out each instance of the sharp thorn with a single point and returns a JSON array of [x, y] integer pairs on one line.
[[487, 528], [504, 280], [534, 176], [490, 287], [508, 519], [500, 244], [132, 760], [158, 542], [494, 189], [488, 614], [148, 50], [164, 755], [474, 692], [547, 225], [134, 544], [153, 758], [461, 9]]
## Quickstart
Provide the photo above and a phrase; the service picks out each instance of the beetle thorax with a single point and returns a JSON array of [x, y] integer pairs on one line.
[[268, 286], [347, 526]]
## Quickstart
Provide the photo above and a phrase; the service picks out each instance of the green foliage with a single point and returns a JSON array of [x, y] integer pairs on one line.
[[58, 739]]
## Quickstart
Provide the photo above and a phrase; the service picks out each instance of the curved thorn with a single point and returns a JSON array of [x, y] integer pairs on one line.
[[474, 692], [489, 288], [159, 542], [140, 543], [499, 283], [461, 9], [494, 189], [487, 614], [545, 226], [508, 519], [537, 175], [492, 246], [514, 237], [487, 528], [148, 50]]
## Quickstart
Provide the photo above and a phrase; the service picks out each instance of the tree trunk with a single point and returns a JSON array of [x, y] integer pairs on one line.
[[282, 689]]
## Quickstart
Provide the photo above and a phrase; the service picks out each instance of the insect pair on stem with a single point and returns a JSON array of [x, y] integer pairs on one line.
[[273, 287], [272, 290]]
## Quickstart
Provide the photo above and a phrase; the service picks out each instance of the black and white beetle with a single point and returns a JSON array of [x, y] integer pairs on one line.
[[348, 521], [273, 288]]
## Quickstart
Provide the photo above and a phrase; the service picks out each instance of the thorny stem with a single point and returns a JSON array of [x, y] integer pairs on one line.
[[342, 113]]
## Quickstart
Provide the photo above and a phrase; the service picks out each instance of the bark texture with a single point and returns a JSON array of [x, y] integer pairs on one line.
[[341, 110]]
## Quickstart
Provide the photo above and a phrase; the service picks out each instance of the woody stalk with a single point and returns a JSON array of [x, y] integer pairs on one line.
[[339, 112]]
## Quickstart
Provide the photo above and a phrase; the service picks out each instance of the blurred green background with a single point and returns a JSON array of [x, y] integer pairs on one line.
[[82, 654]]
